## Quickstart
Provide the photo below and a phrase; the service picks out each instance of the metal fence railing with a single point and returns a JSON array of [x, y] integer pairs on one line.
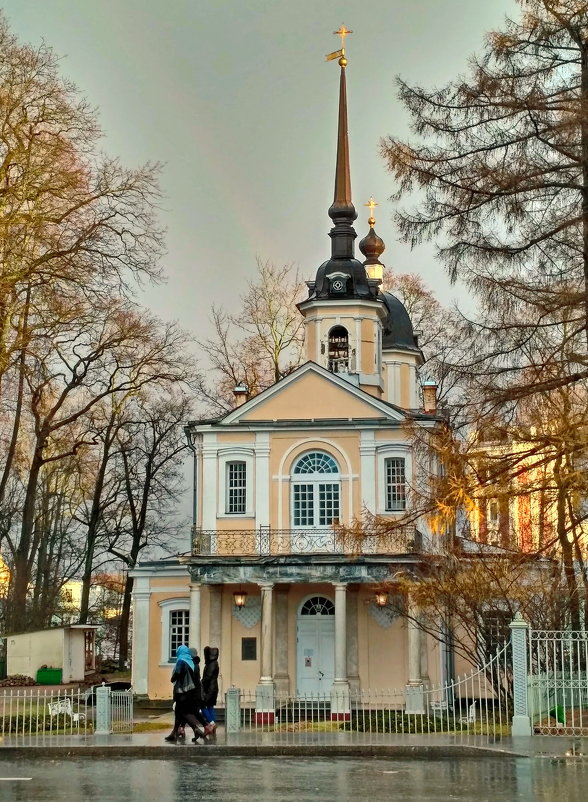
[[122, 711], [558, 682], [479, 702], [404, 539], [63, 711], [32, 711]]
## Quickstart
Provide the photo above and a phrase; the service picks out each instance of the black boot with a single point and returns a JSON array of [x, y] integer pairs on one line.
[[197, 735], [172, 737]]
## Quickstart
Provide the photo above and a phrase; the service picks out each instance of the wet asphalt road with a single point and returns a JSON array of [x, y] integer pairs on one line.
[[287, 779]]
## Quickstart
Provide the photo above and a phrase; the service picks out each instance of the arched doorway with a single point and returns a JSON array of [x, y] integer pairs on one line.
[[315, 647]]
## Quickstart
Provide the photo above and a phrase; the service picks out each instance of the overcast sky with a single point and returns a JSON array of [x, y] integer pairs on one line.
[[235, 99]]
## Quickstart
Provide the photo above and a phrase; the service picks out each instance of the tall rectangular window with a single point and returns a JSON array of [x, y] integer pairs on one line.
[[328, 503], [236, 496], [395, 484], [179, 630], [303, 505]]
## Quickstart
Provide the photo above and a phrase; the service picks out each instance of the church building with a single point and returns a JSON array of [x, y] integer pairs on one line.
[[281, 576]]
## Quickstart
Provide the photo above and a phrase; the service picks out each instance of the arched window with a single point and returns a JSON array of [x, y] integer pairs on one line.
[[316, 491], [339, 350], [318, 605]]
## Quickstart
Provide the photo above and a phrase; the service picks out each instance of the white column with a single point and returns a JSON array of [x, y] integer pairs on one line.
[[209, 484], [262, 482], [367, 451], [195, 617], [340, 697], [140, 663], [266, 634], [215, 595], [280, 675], [352, 638], [340, 632], [264, 693], [414, 691], [414, 643]]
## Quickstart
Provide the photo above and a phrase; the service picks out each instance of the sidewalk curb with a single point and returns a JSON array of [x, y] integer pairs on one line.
[[212, 751]]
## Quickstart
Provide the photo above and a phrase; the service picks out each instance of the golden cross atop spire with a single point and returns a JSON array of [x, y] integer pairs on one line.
[[371, 204], [342, 32], [340, 54]]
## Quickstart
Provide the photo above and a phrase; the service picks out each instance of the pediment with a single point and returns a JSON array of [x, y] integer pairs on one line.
[[312, 393]]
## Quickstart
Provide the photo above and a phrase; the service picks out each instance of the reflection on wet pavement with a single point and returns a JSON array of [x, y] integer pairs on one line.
[[233, 779]]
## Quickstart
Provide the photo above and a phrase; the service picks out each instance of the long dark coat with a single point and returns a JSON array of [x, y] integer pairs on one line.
[[210, 677]]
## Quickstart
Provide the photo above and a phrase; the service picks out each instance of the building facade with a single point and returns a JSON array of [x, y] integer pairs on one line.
[[282, 576]]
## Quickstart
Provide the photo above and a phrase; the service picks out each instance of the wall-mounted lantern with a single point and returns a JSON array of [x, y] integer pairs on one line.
[[240, 598], [381, 598]]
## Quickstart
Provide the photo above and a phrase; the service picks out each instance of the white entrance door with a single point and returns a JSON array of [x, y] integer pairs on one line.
[[315, 670]]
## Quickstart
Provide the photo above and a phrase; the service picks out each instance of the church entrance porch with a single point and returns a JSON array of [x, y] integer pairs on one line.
[[315, 647]]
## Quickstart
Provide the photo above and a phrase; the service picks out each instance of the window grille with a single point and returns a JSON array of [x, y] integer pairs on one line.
[[318, 605], [179, 630], [303, 505], [315, 502], [316, 462], [236, 488], [395, 484], [328, 503]]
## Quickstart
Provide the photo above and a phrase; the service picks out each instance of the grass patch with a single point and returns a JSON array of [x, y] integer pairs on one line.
[[150, 726], [308, 726]]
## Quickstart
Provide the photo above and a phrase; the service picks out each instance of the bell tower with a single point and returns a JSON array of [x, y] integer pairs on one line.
[[344, 311]]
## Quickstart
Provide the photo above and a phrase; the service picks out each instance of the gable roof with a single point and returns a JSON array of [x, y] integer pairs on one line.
[[313, 393]]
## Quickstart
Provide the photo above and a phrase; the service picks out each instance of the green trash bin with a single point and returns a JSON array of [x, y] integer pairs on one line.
[[49, 676]]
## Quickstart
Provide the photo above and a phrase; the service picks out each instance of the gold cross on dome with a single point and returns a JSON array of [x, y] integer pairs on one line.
[[371, 204], [342, 32]]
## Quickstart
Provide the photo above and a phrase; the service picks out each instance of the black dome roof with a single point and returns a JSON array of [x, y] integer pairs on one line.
[[398, 331], [357, 283]]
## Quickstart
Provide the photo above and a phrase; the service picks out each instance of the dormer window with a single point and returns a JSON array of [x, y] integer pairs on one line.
[[337, 283], [339, 350]]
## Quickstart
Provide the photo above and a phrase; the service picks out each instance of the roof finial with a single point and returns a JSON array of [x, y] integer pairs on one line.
[[340, 54], [371, 204]]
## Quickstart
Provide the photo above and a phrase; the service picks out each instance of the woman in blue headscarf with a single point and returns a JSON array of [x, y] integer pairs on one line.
[[186, 693]]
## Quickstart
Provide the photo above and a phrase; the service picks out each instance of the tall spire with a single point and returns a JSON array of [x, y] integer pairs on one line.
[[342, 211]]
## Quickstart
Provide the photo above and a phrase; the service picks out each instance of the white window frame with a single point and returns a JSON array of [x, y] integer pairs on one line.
[[315, 480], [235, 454], [392, 451], [167, 607], [392, 481], [236, 481]]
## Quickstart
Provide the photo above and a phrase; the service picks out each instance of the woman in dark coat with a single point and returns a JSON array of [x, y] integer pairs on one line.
[[186, 694], [210, 685]]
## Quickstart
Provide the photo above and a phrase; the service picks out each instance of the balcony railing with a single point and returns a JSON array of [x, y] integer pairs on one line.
[[265, 541]]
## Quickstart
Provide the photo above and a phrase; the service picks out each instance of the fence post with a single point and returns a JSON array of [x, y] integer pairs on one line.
[[233, 710], [521, 722], [103, 710]]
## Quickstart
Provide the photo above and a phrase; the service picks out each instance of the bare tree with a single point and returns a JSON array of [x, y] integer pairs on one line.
[[151, 448], [260, 344], [503, 177]]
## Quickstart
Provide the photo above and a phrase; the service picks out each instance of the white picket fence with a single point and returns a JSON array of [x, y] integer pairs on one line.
[[41, 712]]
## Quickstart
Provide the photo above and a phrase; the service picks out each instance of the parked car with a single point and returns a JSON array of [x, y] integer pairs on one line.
[[90, 696]]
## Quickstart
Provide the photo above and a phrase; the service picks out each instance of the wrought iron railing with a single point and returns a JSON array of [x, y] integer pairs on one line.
[[266, 541]]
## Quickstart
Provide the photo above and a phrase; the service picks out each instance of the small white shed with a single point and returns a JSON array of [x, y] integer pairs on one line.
[[70, 648]]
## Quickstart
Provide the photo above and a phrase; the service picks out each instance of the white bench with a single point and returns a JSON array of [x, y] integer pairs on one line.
[[64, 707]]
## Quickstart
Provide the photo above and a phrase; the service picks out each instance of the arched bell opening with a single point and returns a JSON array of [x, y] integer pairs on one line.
[[338, 350]]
